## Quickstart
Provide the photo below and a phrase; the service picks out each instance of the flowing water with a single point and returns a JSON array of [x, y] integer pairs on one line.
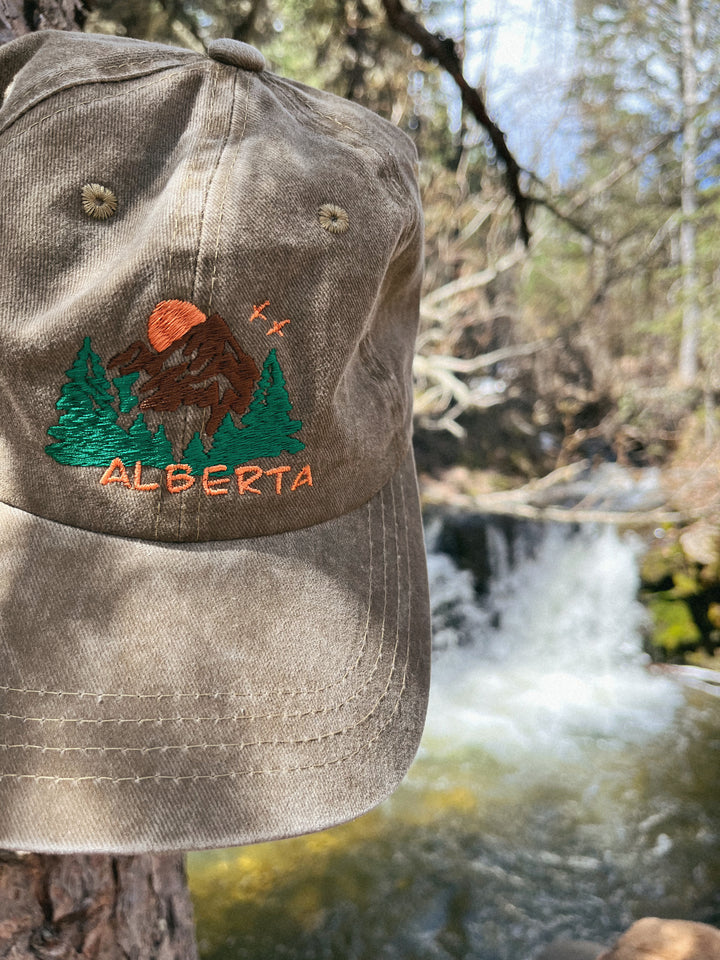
[[561, 790]]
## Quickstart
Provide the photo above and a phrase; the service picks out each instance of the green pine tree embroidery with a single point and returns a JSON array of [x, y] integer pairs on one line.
[[194, 455], [128, 400], [163, 454], [153, 449], [267, 430], [227, 444], [87, 433]]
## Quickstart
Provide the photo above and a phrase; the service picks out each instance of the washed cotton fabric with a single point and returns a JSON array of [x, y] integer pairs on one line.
[[244, 656]]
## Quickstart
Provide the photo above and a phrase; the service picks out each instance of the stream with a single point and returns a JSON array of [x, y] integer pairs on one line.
[[561, 789]]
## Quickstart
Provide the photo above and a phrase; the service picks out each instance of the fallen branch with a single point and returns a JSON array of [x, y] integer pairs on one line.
[[698, 678], [441, 396], [505, 505], [474, 280], [519, 502], [434, 363], [621, 518]]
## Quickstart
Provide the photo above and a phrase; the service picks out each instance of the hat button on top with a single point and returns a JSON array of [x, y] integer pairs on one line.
[[236, 54]]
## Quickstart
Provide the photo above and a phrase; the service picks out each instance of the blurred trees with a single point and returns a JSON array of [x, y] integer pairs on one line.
[[645, 94], [344, 46], [599, 338]]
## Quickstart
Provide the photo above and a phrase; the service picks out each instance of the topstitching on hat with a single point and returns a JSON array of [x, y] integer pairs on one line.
[[214, 622]]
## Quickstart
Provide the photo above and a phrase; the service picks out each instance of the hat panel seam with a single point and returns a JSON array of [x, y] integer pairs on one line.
[[363, 746], [395, 180], [211, 179], [175, 233], [182, 193], [228, 176], [333, 126], [226, 185], [167, 73], [391, 133]]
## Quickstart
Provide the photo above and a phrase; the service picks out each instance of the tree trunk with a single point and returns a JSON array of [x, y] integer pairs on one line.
[[88, 906], [18, 17], [94, 906], [689, 344]]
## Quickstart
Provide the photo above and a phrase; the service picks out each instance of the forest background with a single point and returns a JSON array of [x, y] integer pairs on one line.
[[570, 176], [568, 316], [605, 318]]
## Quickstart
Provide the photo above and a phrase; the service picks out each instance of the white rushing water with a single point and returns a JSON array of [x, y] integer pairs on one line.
[[551, 661], [561, 790]]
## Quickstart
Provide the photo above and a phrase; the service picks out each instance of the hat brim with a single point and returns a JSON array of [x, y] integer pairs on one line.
[[181, 696]]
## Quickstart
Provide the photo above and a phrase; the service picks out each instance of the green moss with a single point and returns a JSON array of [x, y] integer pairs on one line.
[[685, 585], [674, 627], [661, 562]]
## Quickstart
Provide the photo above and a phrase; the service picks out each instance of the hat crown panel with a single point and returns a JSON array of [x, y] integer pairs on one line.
[[219, 181]]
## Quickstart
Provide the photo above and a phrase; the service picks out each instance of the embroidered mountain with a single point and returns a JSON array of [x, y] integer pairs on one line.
[[267, 430], [192, 361], [208, 352]]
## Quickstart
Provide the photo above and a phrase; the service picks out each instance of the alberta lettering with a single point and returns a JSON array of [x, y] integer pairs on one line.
[[213, 480]]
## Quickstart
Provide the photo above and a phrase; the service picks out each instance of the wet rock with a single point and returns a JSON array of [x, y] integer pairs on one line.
[[647, 939], [666, 940], [700, 543], [572, 950], [487, 545]]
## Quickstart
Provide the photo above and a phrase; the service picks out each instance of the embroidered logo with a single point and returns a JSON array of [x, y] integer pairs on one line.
[[191, 361]]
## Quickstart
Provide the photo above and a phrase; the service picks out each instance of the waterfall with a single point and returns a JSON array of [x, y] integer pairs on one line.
[[561, 790], [549, 661]]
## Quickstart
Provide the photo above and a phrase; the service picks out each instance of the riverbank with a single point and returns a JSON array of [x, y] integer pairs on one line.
[[673, 509]]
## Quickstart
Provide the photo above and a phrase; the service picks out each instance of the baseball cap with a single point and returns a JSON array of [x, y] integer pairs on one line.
[[214, 623]]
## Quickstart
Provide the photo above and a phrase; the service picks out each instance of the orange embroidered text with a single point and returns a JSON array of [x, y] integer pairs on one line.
[[246, 476], [122, 475], [305, 476], [179, 477], [137, 479], [214, 488], [277, 472]]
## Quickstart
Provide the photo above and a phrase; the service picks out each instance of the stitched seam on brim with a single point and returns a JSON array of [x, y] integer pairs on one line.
[[215, 695], [236, 718], [363, 746], [195, 695]]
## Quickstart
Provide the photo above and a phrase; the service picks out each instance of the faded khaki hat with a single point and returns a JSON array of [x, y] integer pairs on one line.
[[214, 622]]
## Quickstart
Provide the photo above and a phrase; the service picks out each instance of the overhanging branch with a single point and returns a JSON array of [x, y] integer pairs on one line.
[[444, 51]]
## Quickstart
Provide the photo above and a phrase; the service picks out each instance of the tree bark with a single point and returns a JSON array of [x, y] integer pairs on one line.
[[94, 906], [18, 17], [689, 344], [88, 907]]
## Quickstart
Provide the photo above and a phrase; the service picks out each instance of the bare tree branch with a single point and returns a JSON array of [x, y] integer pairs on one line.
[[441, 396], [245, 29], [435, 362], [474, 280], [180, 17], [567, 215], [443, 50]]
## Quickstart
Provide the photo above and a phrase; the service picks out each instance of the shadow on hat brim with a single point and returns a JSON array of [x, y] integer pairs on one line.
[[183, 696]]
